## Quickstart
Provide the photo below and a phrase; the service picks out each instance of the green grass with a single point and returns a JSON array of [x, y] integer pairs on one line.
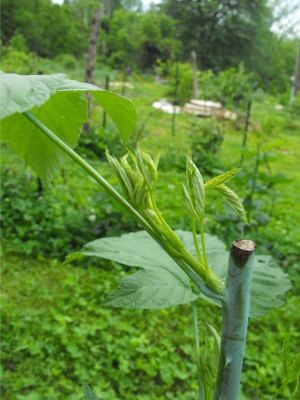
[[55, 333]]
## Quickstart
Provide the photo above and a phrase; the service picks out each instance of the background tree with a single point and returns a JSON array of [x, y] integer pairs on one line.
[[221, 32]]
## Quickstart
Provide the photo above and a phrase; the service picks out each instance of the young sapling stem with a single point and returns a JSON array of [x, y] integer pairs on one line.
[[181, 257], [91, 171], [236, 307]]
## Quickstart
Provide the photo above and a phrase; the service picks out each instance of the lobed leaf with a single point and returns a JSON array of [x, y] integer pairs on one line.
[[63, 115], [149, 289], [139, 250], [61, 105], [120, 109], [21, 93], [233, 200]]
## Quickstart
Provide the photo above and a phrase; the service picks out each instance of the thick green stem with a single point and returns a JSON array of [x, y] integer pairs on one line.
[[235, 319], [174, 239], [203, 243], [176, 256], [196, 241], [91, 171], [197, 345]]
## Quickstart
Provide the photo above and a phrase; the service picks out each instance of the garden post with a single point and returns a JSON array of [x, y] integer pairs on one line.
[[236, 307]]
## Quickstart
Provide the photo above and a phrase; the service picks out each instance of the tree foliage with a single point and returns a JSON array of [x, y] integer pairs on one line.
[[223, 33]]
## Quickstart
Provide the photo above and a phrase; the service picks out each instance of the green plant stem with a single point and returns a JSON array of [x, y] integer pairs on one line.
[[203, 242], [196, 241], [197, 345], [174, 239], [235, 308], [190, 269], [91, 171], [296, 392], [284, 383]]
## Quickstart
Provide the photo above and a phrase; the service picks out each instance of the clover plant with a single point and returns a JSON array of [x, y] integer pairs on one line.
[[42, 120]]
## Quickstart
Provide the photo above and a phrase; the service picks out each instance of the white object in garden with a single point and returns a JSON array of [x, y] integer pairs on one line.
[[164, 105], [206, 103]]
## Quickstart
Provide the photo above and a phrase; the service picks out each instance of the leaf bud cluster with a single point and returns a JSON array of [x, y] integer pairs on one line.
[[138, 182]]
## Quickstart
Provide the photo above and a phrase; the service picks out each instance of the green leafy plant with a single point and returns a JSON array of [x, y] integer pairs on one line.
[[42, 117], [292, 369], [206, 139], [53, 222]]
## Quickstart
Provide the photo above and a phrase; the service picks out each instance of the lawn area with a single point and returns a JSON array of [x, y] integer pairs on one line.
[[56, 335]]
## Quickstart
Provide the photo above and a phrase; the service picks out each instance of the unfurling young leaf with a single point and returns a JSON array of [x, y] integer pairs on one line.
[[151, 168], [196, 187], [233, 200], [187, 202], [148, 173], [121, 174], [216, 338], [219, 180]]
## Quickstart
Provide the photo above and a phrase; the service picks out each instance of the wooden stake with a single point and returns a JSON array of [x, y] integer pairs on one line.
[[195, 80]]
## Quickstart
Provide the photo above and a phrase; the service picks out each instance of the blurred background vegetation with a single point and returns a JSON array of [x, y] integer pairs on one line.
[[55, 335]]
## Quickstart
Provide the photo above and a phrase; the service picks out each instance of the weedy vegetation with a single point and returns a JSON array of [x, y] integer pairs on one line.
[[42, 117]]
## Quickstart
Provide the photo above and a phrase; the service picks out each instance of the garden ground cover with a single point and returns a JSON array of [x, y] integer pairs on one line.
[[56, 335]]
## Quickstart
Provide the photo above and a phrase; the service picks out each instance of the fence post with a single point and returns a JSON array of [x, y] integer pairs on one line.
[[104, 112], [195, 80], [124, 80], [246, 129], [175, 99]]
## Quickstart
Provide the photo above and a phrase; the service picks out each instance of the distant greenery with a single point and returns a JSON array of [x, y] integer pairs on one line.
[[223, 34], [232, 87]]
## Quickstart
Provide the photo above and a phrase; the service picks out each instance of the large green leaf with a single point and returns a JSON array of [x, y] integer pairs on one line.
[[150, 289], [120, 110], [63, 115], [61, 105], [139, 249], [21, 93], [269, 282], [160, 285]]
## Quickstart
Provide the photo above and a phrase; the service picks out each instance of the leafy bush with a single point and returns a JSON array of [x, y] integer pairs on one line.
[[16, 57], [53, 223], [93, 144], [206, 139], [66, 60], [295, 105], [232, 87]]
